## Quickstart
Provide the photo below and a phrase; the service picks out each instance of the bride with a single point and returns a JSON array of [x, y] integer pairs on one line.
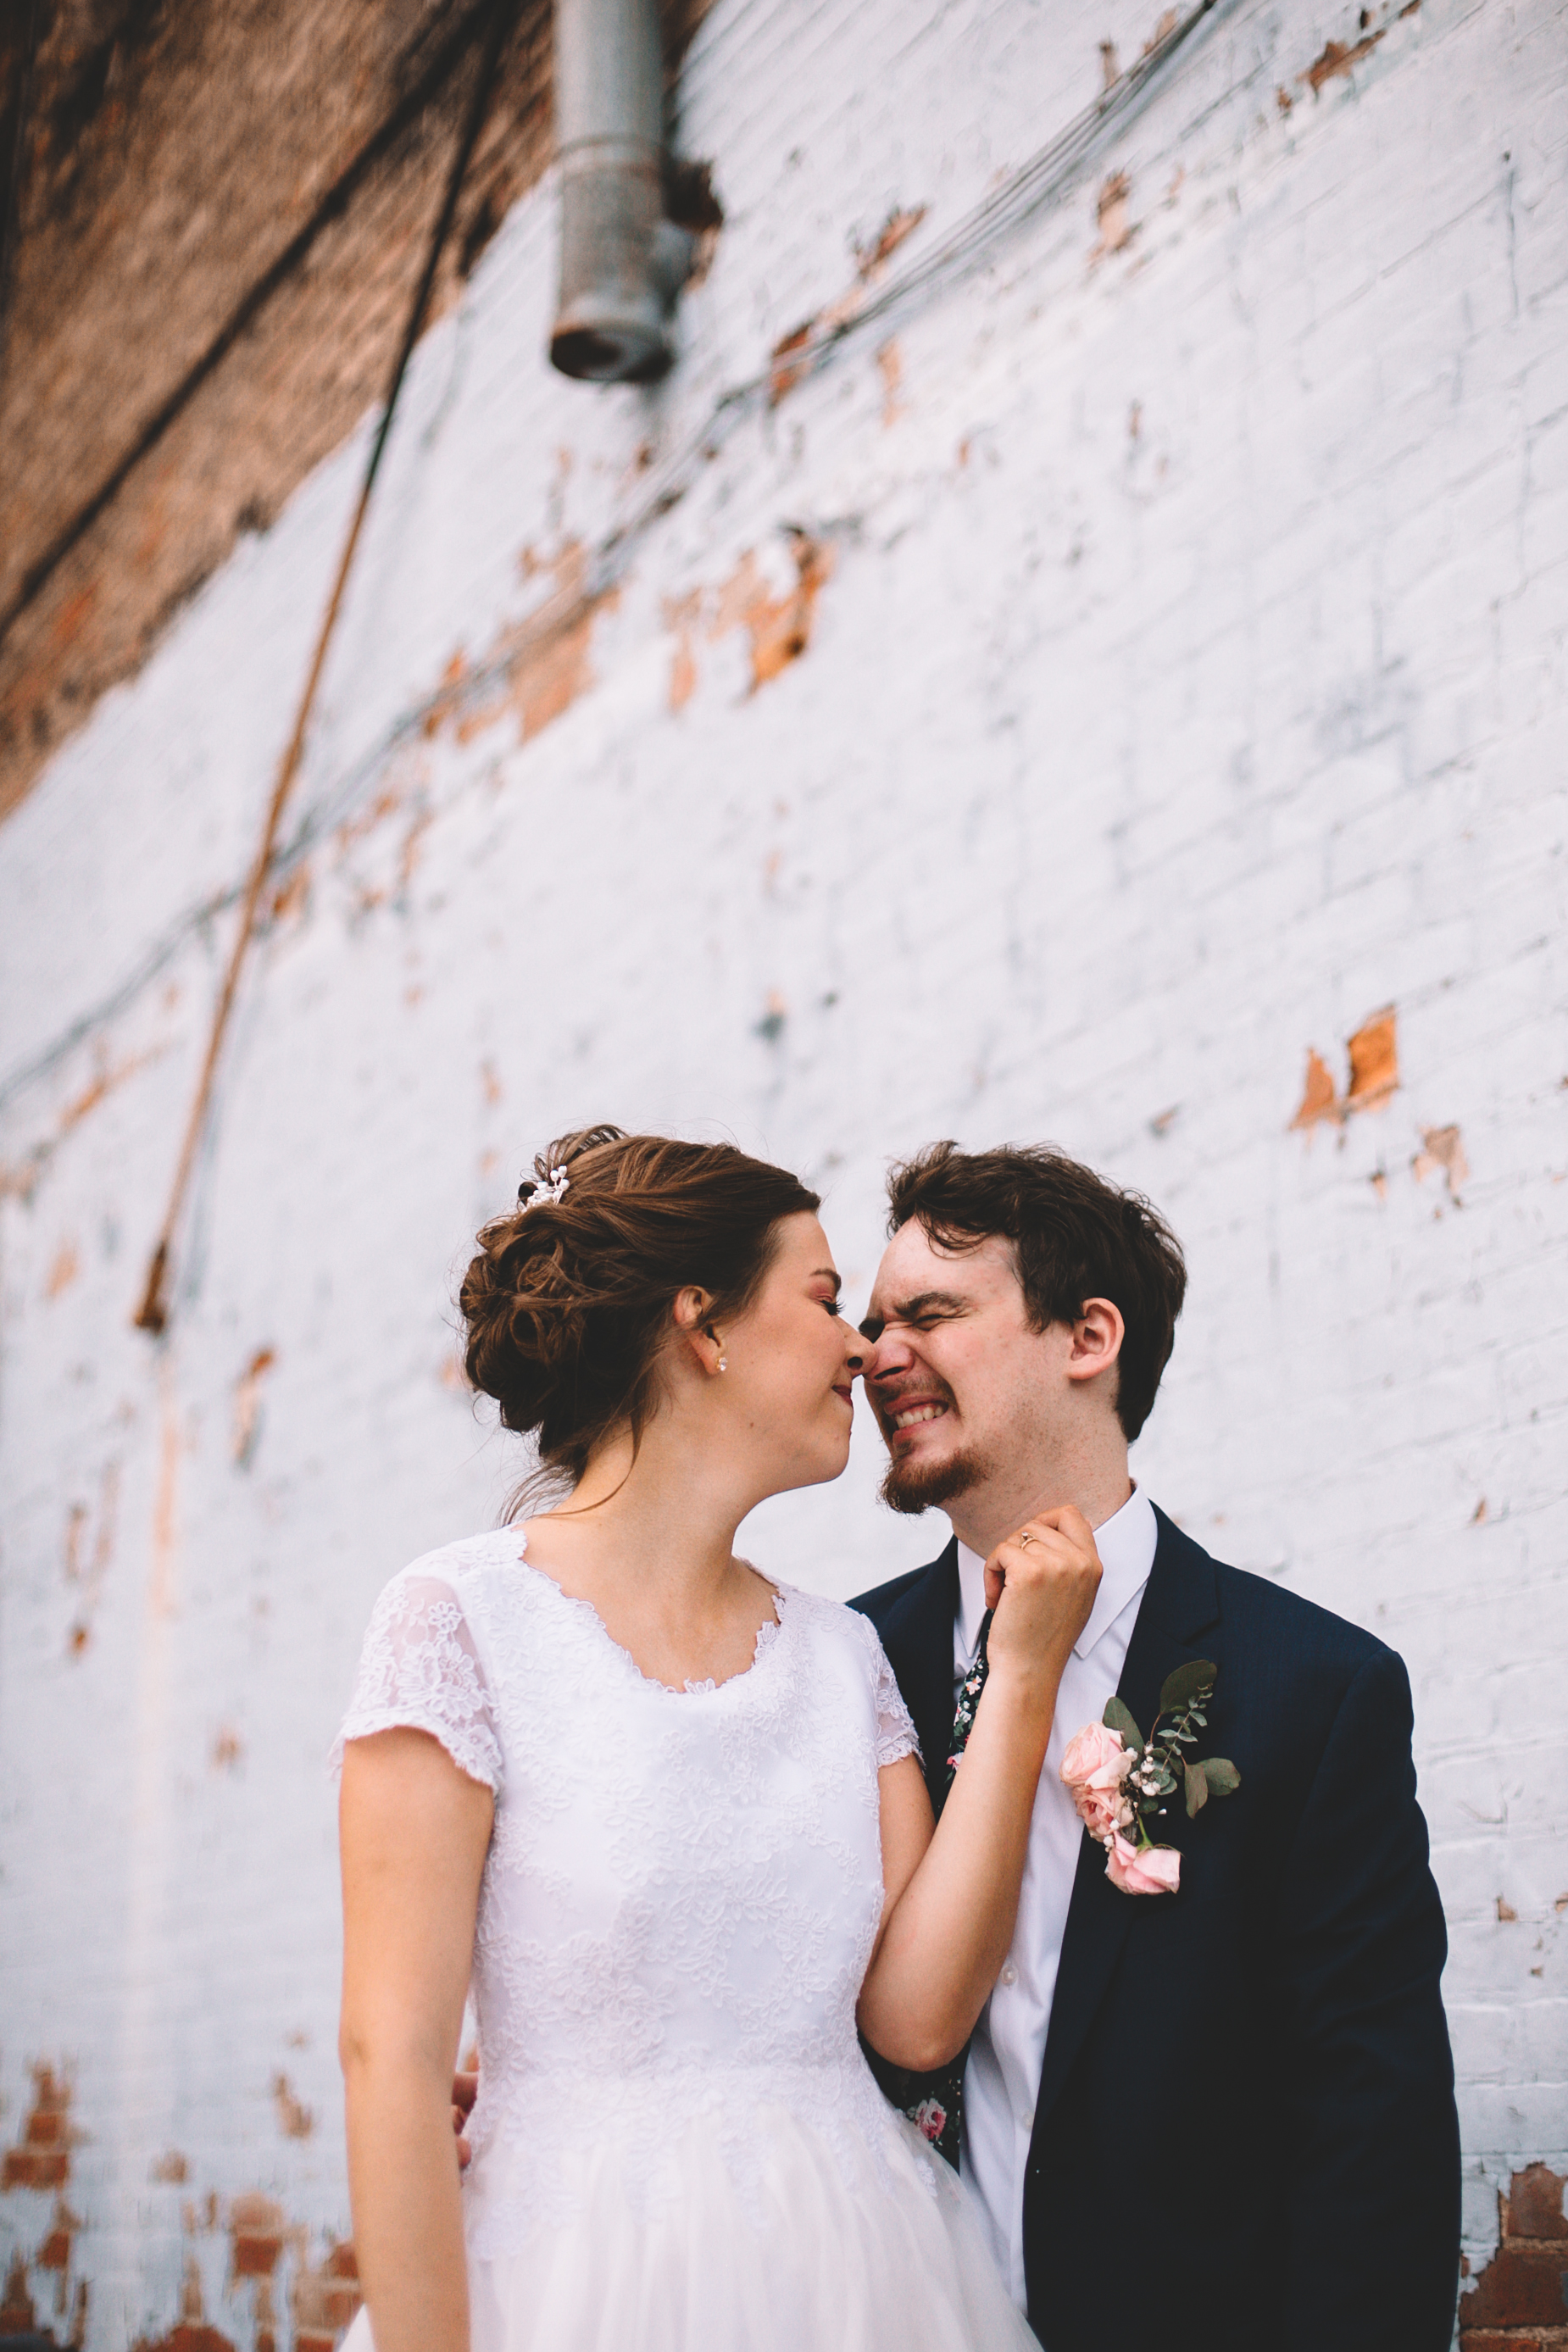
[[668, 1818]]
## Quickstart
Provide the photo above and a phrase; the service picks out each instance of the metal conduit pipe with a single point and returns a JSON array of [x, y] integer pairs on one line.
[[622, 262]]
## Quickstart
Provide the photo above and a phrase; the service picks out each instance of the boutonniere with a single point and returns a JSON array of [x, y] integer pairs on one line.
[[1121, 1781]]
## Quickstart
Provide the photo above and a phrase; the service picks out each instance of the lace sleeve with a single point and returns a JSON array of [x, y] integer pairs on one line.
[[895, 1731], [419, 1667]]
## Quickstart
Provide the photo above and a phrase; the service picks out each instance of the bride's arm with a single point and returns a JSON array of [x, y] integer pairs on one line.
[[414, 1830], [951, 1898]]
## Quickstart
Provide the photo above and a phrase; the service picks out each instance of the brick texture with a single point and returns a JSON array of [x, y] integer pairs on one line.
[[169, 157], [1119, 700], [1519, 2302]]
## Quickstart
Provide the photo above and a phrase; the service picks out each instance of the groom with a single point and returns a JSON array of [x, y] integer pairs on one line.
[[1221, 2119]]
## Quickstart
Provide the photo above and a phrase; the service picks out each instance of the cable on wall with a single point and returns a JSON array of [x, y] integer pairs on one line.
[[970, 245], [152, 1315], [421, 94]]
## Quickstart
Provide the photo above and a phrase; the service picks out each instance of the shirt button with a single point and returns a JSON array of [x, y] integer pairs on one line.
[[1010, 1974]]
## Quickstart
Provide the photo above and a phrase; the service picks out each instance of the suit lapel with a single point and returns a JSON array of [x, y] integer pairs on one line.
[[1179, 1603], [917, 1638]]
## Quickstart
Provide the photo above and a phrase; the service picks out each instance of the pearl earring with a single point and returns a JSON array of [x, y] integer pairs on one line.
[[723, 1363]]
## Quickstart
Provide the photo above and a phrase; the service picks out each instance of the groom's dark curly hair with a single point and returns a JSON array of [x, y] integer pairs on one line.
[[1076, 1237]]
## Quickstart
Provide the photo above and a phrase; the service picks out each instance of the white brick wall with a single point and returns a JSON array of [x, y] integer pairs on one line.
[[1186, 688]]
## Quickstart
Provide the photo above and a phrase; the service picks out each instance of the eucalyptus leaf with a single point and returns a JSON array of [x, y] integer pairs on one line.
[[1183, 1687], [1221, 1775], [1197, 1790], [1117, 1718]]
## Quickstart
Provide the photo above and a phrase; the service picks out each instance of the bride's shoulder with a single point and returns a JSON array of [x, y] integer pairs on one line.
[[466, 1567], [833, 1619], [850, 1639]]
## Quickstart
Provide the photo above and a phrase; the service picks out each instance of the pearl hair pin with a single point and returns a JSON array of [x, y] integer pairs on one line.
[[531, 1195]]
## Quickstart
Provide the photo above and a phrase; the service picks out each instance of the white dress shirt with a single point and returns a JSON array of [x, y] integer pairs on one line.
[[1002, 2081]]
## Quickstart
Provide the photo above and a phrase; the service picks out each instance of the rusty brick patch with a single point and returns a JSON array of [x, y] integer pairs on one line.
[[41, 2158], [1520, 2300], [171, 160]]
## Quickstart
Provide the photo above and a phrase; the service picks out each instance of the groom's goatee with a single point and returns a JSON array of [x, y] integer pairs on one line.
[[913, 1490]]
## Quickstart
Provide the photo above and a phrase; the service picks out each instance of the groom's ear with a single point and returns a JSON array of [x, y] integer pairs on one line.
[[1097, 1336]]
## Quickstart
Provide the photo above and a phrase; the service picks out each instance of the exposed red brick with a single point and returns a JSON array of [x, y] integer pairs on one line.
[[536, 668], [208, 138], [1114, 215], [786, 373], [680, 614], [1337, 58], [1374, 1073], [891, 366], [1533, 2205], [63, 1272], [255, 2233], [1374, 1061], [294, 2119], [188, 2335], [901, 223], [41, 2159], [16, 2314], [325, 2299], [1320, 1095], [779, 626], [1505, 2339], [55, 2255], [871, 262], [1442, 1148], [1521, 2286]]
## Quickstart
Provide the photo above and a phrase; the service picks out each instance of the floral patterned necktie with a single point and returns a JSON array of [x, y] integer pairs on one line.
[[934, 2102], [973, 1683]]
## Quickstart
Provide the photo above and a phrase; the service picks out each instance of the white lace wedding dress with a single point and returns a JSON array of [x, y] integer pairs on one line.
[[678, 2146]]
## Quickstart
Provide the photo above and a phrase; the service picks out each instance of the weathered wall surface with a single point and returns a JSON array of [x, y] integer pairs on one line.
[[221, 215], [1129, 674]]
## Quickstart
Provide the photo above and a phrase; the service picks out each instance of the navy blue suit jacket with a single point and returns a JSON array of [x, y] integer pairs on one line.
[[1246, 2133]]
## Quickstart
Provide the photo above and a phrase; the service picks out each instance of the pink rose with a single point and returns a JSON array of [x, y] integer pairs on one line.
[[930, 2117], [1147, 1870], [1093, 1768]]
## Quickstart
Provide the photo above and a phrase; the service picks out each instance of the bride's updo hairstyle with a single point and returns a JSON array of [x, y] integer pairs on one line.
[[567, 1302]]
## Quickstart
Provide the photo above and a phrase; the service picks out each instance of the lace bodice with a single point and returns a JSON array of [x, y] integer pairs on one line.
[[682, 1888]]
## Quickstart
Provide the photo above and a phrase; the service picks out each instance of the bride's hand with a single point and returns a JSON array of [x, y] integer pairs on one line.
[[1041, 1583]]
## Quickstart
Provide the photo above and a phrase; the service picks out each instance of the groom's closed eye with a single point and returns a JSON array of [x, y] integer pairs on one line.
[[916, 1314]]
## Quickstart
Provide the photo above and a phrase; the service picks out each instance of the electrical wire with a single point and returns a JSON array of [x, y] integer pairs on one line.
[[152, 1315], [420, 95], [972, 244]]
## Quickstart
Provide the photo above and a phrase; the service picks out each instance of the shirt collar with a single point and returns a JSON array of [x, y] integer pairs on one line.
[[1125, 1542]]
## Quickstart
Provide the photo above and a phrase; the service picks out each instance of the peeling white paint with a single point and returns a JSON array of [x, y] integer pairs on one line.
[[1122, 766]]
